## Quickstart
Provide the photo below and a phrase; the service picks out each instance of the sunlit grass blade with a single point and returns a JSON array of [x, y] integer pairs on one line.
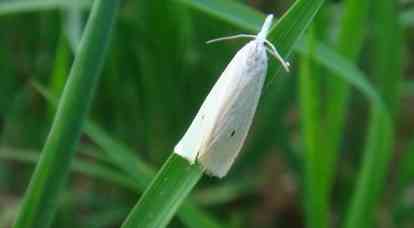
[[177, 177], [21, 6], [40, 200]]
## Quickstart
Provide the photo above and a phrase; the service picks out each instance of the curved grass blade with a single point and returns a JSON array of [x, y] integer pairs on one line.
[[177, 177], [40, 200]]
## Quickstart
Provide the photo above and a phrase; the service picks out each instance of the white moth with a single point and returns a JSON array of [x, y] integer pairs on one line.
[[220, 127]]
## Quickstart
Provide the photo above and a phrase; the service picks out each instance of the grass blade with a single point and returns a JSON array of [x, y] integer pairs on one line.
[[349, 43], [60, 70], [177, 177], [372, 175], [316, 197], [170, 187], [40, 201], [379, 147]]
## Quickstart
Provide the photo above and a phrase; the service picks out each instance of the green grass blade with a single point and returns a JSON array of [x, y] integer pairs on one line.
[[291, 26], [387, 72], [372, 175], [165, 194], [341, 67], [40, 200], [349, 43], [177, 177], [316, 197], [386, 65], [22, 6], [60, 70]]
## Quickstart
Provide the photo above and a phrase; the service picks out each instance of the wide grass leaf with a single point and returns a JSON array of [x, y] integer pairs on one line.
[[40, 200]]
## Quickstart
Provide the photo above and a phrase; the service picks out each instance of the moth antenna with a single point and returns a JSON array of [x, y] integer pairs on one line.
[[273, 51], [231, 38]]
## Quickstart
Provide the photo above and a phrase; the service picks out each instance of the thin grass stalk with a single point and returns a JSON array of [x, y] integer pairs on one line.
[[371, 179], [349, 43], [316, 197], [60, 70], [42, 195]]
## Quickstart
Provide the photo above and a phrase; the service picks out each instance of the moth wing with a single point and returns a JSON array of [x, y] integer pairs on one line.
[[190, 144], [233, 122]]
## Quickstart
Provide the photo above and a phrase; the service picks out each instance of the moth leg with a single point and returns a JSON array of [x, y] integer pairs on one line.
[[273, 51]]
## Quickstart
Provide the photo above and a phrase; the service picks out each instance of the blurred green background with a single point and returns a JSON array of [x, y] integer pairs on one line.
[[156, 75]]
